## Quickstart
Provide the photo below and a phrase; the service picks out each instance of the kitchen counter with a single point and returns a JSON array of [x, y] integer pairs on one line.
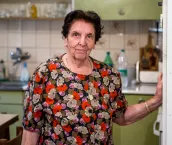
[[147, 89], [13, 86], [142, 89]]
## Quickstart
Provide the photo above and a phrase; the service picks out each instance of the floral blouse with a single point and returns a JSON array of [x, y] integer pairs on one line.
[[66, 108]]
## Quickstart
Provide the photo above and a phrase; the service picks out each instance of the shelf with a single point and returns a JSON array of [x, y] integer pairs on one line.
[[25, 18]]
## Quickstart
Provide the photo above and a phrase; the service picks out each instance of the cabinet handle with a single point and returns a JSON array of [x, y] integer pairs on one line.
[[141, 100], [121, 12]]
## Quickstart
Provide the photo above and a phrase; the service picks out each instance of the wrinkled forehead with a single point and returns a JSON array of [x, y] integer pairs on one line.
[[82, 26]]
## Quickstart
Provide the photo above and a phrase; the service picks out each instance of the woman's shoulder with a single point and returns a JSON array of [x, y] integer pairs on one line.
[[102, 66]]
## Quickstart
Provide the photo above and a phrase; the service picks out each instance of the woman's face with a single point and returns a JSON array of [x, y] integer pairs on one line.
[[80, 40]]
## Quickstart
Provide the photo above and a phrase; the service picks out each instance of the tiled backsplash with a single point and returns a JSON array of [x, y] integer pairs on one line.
[[43, 40]]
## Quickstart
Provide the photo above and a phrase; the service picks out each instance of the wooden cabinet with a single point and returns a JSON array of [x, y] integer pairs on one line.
[[139, 133], [12, 102], [122, 9]]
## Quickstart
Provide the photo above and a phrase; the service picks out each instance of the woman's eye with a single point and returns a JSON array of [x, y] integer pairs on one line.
[[75, 34], [89, 36]]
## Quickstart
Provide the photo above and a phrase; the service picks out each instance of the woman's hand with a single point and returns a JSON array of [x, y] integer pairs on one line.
[[159, 87]]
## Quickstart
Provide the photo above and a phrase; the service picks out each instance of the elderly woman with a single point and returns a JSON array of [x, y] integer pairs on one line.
[[74, 99]]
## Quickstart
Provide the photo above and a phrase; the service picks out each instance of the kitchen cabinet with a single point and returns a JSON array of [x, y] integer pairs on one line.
[[11, 102], [139, 133], [122, 9]]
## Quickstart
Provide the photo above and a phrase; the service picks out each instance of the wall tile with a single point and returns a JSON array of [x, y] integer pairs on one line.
[[32, 52], [3, 53], [3, 26], [32, 67], [101, 54], [132, 60], [43, 26], [14, 39], [42, 54], [10, 49], [116, 34], [56, 26], [57, 52], [28, 26], [132, 32], [15, 26], [29, 39], [56, 40], [103, 43], [43, 40], [3, 39]]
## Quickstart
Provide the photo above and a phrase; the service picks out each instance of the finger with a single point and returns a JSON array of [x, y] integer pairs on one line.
[[160, 77]]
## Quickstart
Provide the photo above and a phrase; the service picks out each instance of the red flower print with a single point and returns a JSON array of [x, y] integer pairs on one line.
[[86, 118], [49, 87], [37, 78], [26, 122], [103, 126], [113, 94], [85, 104], [86, 86], [55, 136], [30, 108], [94, 116], [41, 140], [57, 108], [79, 140], [104, 91], [95, 84], [38, 90], [67, 128], [120, 103], [76, 95], [49, 101], [52, 67], [104, 105], [111, 113], [81, 77], [55, 123], [104, 73], [62, 88], [37, 114], [96, 65]]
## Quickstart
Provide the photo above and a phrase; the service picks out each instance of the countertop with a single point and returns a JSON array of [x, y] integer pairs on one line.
[[144, 89]]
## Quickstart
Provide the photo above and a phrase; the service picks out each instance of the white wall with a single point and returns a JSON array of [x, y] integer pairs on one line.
[[43, 39]]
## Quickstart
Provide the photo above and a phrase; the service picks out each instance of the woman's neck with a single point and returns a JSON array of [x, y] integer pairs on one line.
[[78, 66]]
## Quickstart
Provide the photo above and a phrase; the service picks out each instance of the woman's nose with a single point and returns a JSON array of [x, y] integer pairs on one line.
[[82, 41]]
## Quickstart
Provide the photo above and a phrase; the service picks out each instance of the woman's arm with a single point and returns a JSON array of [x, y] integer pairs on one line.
[[29, 138], [138, 111]]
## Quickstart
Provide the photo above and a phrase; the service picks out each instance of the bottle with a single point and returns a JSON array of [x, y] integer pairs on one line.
[[108, 59], [122, 68], [24, 73], [28, 9], [2, 70], [33, 11]]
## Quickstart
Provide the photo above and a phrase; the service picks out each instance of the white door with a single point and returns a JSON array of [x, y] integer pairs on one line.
[[167, 73]]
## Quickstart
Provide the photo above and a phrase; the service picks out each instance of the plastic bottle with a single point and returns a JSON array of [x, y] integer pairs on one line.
[[122, 68], [24, 73], [108, 59]]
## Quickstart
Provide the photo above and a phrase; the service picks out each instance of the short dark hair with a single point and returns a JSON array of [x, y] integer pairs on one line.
[[88, 16]]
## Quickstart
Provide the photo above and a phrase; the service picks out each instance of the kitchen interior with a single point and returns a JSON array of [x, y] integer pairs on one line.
[[30, 38]]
